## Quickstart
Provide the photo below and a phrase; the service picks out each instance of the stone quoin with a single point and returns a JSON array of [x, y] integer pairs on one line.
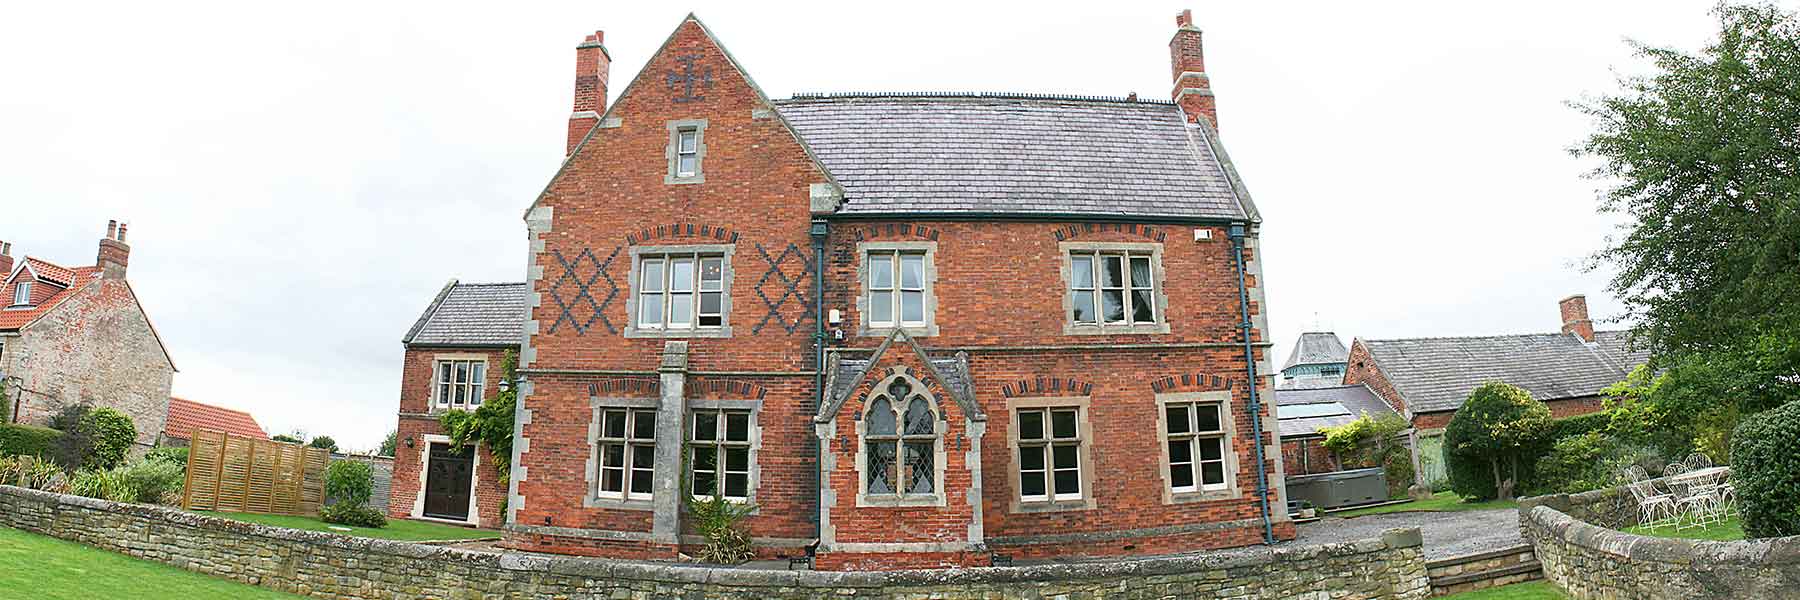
[[916, 330]]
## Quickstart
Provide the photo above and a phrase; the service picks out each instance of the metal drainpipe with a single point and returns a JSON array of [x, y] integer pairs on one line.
[[1262, 472], [820, 231]]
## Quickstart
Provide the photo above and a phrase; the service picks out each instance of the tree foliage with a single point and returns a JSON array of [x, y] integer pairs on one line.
[[349, 481], [323, 442], [290, 438], [491, 424], [1489, 438], [389, 443], [1702, 157]]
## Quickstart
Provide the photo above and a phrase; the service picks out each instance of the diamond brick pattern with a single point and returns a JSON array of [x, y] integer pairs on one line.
[[573, 292]]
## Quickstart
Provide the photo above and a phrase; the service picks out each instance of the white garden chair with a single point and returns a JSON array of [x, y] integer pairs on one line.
[[1654, 508], [1698, 461]]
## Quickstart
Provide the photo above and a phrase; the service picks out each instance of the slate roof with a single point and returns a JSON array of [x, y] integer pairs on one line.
[[1437, 374], [187, 415], [472, 314], [70, 280], [1357, 400], [1317, 348], [1618, 347], [1016, 154]]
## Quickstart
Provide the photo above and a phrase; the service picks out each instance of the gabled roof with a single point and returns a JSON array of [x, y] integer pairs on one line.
[[187, 415], [1317, 348], [1437, 374], [844, 375], [472, 314], [1015, 154], [70, 280], [1332, 406]]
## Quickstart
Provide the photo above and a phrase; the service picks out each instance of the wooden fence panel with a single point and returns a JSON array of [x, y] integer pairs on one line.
[[237, 474]]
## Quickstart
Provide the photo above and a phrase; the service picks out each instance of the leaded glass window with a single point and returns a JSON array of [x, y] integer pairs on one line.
[[900, 433]]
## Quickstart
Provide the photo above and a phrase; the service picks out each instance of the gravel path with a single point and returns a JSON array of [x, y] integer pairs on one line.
[[1446, 534]]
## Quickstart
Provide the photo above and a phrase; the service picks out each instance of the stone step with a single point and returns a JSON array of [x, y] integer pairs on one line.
[[1495, 577]]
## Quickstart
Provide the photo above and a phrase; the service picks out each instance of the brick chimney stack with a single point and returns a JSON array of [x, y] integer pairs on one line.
[[1193, 91], [1575, 317], [114, 254], [592, 65], [6, 262]]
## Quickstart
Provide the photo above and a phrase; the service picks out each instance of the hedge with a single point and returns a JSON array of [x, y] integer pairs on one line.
[[1594, 422], [27, 440], [1765, 457]]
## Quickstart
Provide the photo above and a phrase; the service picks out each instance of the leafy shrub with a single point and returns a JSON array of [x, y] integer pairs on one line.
[[33, 472], [105, 485], [156, 480], [1594, 422], [26, 440], [1579, 463], [111, 433], [352, 514], [1765, 457], [349, 482], [172, 454], [1485, 443], [717, 521]]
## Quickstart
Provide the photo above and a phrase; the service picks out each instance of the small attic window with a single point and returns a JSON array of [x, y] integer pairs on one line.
[[686, 152], [21, 293]]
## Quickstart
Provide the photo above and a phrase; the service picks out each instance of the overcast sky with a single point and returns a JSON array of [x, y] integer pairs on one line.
[[300, 179]]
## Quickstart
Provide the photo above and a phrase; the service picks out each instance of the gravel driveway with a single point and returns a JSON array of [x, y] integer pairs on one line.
[[1446, 534]]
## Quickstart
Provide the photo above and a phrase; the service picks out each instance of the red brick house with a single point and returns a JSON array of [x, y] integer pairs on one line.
[[453, 359], [72, 335], [793, 303], [1427, 379], [186, 416]]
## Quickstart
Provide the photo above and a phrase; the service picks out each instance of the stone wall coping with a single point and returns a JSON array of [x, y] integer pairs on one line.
[[678, 573], [1770, 552]]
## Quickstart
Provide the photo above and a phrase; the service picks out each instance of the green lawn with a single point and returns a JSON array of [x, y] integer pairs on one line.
[[53, 569], [1730, 529], [1439, 502], [397, 529], [1535, 590]]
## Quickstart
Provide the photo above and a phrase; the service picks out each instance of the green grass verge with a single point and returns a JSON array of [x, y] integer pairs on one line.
[[1730, 529], [53, 569], [397, 529], [1535, 590], [1439, 502]]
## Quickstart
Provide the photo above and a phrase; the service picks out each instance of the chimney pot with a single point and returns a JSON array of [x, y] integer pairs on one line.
[[1185, 19], [112, 227], [121, 237], [1575, 317]]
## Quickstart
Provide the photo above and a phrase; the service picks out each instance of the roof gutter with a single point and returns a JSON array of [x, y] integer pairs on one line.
[[1034, 217]]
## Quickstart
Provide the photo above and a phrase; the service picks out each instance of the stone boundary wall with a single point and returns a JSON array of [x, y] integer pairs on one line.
[[332, 566], [1589, 561]]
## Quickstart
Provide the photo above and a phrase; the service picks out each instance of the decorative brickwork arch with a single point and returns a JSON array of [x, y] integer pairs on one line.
[[1191, 382], [1069, 232], [1040, 386], [625, 388], [726, 389], [683, 231], [894, 230]]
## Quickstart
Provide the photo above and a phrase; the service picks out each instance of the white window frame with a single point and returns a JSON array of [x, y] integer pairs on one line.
[[675, 151], [720, 443], [896, 287], [629, 442], [665, 289], [474, 387], [1198, 489], [1082, 439], [1095, 288], [21, 293]]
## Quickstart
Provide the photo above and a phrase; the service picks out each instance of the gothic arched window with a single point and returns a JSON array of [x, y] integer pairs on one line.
[[901, 439]]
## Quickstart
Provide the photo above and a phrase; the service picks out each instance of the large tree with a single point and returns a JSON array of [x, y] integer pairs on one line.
[[1703, 158]]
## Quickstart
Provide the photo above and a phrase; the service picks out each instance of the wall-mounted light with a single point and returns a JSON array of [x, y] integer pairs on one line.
[[409, 441]]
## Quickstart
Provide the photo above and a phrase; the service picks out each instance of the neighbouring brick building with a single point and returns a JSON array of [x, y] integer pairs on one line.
[[1427, 379], [454, 354], [76, 335], [914, 329]]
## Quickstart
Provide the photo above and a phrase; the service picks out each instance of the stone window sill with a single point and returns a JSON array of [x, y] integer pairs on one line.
[[896, 501], [926, 331], [618, 504], [1141, 329], [1043, 506], [1204, 496], [716, 332]]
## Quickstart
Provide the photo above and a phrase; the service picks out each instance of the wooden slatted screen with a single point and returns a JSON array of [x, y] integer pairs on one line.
[[239, 474]]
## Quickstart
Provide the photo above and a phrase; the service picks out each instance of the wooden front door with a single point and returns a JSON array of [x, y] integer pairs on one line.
[[447, 477]]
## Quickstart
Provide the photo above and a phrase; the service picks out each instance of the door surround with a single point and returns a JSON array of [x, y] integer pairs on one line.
[[424, 449]]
